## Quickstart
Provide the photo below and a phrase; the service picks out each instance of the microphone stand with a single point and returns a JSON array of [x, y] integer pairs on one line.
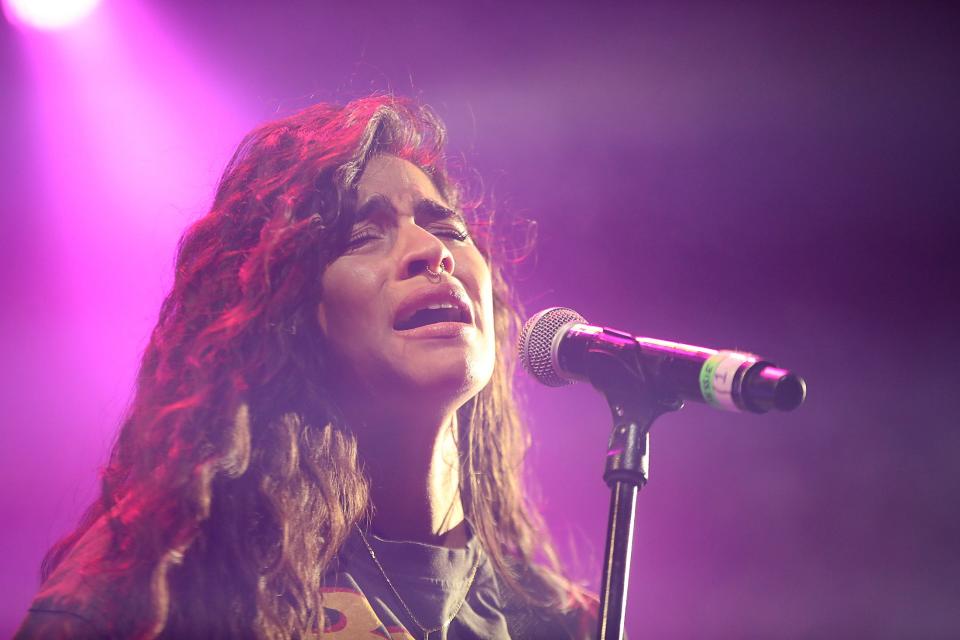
[[634, 405]]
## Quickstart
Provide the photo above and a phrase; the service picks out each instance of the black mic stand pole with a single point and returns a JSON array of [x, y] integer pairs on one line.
[[634, 405]]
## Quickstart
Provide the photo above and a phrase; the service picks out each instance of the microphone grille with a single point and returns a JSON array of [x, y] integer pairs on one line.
[[536, 344]]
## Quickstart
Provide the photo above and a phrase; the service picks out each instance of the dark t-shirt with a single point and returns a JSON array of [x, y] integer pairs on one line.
[[358, 603], [432, 580]]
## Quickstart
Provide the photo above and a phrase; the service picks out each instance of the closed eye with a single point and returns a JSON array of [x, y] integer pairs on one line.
[[455, 234], [358, 240]]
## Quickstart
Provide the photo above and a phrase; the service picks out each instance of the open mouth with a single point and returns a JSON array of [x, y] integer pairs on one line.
[[433, 314]]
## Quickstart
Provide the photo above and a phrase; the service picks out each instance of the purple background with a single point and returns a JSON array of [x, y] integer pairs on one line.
[[775, 177]]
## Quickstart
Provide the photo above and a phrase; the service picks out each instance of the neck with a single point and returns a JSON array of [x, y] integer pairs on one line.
[[414, 470]]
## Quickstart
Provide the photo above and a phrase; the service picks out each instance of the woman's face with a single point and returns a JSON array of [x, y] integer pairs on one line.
[[401, 333]]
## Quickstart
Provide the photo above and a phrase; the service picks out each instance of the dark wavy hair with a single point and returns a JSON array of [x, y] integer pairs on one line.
[[233, 481]]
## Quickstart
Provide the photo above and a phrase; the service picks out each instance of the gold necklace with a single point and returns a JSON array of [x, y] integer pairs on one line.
[[426, 632]]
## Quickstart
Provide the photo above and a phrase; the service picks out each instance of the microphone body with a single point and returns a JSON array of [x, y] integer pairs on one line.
[[557, 345]]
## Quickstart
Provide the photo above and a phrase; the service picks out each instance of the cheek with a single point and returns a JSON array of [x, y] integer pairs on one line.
[[484, 284], [490, 324], [348, 293], [487, 297], [487, 360]]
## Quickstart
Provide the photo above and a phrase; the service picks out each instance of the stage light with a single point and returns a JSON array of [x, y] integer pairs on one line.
[[48, 15]]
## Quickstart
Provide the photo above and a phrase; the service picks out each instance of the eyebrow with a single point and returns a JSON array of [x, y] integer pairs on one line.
[[424, 208], [435, 210]]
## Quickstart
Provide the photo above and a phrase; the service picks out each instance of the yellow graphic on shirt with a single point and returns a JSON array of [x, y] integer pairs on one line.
[[349, 616]]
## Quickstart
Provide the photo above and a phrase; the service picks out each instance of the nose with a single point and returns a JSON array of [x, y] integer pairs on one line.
[[423, 253]]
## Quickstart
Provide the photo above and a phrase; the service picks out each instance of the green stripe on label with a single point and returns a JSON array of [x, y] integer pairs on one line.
[[706, 378]]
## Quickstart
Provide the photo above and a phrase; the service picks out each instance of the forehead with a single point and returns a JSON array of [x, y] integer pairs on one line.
[[398, 180]]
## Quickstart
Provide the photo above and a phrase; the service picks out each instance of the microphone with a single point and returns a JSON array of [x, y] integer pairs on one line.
[[557, 345]]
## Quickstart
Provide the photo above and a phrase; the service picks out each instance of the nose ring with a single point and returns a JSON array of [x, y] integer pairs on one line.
[[436, 274]]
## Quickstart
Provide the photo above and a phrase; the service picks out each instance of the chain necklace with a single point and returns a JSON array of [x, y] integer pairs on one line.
[[446, 623]]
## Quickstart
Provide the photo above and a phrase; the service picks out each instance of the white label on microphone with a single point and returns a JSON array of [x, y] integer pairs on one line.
[[716, 378]]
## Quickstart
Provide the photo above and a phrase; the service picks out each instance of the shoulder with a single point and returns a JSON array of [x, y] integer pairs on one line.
[[53, 625], [574, 616], [578, 620], [582, 614], [75, 599]]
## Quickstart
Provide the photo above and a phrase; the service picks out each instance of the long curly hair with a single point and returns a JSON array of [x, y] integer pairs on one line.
[[233, 481]]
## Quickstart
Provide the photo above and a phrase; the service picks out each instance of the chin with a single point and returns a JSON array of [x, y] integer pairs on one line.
[[449, 381], [456, 378]]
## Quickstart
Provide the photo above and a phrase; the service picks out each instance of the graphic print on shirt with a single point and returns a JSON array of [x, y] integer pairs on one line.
[[349, 616]]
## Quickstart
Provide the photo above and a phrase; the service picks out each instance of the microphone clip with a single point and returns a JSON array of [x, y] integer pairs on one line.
[[634, 403]]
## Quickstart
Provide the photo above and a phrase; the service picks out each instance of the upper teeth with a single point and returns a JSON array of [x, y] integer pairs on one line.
[[442, 305]]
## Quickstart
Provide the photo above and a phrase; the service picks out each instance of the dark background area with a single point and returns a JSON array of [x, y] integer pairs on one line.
[[777, 177]]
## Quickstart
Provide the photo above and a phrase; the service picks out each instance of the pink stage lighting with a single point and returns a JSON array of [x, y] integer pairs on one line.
[[48, 15]]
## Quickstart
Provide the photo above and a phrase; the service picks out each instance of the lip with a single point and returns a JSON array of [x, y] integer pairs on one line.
[[438, 330], [435, 295]]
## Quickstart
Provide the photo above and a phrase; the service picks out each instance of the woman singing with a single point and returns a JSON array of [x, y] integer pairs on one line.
[[323, 440]]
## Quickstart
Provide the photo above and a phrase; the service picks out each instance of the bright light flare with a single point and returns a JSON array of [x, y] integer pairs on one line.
[[48, 15]]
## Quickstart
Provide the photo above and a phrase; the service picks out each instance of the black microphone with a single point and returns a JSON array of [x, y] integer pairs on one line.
[[556, 346]]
